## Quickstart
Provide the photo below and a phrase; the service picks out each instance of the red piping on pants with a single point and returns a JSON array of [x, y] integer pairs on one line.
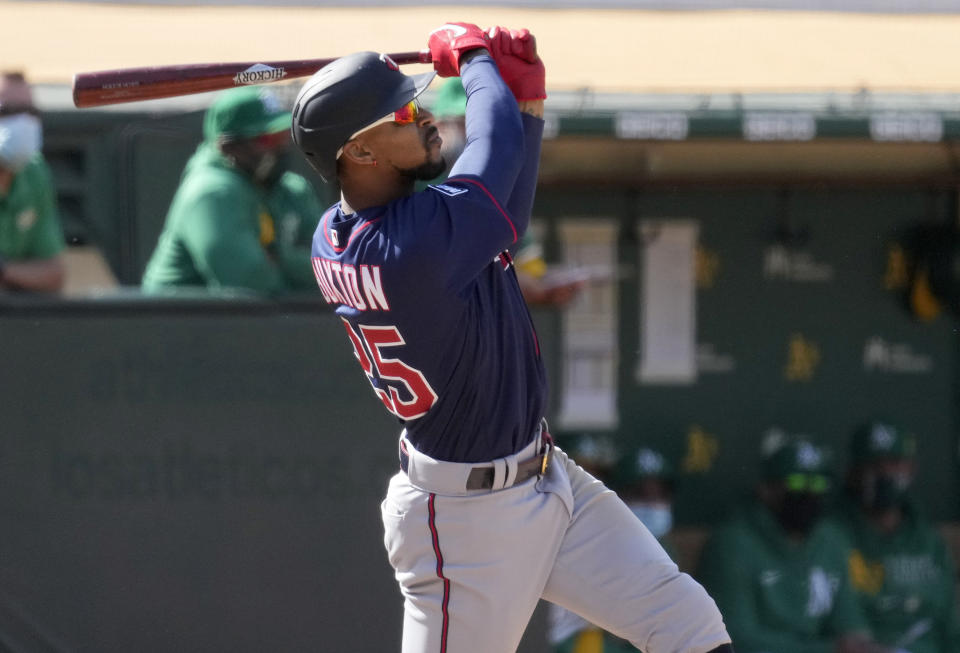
[[446, 581]]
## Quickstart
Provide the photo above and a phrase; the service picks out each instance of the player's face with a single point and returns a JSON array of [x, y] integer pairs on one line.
[[412, 149]]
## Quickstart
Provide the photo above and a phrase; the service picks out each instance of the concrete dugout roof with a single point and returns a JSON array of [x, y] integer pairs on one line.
[[607, 51]]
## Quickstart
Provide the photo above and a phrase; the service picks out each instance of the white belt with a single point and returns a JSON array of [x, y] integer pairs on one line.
[[460, 479]]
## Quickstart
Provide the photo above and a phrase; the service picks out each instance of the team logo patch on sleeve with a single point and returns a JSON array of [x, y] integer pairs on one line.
[[449, 191]]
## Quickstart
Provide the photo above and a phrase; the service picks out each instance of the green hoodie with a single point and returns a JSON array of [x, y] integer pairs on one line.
[[223, 231], [777, 595], [905, 581]]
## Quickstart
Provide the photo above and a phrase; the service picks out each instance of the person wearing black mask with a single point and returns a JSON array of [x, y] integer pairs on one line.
[[777, 572], [900, 567]]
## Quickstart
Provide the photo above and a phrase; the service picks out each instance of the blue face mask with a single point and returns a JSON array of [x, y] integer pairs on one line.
[[657, 517], [20, 138]]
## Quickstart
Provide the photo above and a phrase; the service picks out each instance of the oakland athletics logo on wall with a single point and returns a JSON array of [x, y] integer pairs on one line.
[[803, 358]]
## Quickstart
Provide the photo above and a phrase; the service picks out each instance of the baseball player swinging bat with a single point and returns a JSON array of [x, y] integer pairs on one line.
[[104, 87]]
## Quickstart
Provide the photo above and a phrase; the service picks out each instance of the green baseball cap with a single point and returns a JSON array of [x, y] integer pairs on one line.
[[451, 100], [877, 440], [243, 113], [800, 464], [795, 456]]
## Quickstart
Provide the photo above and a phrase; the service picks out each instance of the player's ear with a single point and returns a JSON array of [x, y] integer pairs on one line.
[[358, 152]]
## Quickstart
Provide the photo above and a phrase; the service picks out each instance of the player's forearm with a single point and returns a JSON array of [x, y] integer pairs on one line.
[[494, 132], [520, 204], [43, 275]]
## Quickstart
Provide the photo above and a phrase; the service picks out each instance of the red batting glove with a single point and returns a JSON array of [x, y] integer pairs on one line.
[[518, 42], [515, 52], [449, 42]]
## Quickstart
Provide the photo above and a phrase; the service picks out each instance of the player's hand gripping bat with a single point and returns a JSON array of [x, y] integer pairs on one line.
[[95, 89]]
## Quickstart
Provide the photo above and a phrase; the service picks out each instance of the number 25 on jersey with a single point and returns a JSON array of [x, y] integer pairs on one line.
[[371, 339]]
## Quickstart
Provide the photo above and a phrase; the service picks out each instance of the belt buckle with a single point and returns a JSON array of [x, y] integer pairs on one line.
[[548, 448]]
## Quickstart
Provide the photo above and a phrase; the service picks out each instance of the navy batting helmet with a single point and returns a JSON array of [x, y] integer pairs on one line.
[[345, 96]]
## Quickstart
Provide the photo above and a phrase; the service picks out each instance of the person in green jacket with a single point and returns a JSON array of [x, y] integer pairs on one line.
[[900, 566], [31, 238], [239, 219], [778, 571]]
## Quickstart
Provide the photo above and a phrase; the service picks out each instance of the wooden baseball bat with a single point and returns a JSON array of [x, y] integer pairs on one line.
[[103, 87]]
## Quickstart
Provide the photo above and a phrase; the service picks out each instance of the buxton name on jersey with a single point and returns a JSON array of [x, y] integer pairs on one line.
[[422, 285]]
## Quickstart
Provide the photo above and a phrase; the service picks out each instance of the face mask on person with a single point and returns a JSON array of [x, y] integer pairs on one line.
[[21, 137], [264, 165], [799, 512], [271, 167], [657, 517], [881, 491]]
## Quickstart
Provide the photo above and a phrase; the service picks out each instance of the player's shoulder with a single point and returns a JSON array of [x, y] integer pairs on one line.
[[460, 195], [342, 237], [430, 201], [422, 205]]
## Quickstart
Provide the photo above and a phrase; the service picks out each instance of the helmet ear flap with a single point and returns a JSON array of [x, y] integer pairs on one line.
[[322, 171]]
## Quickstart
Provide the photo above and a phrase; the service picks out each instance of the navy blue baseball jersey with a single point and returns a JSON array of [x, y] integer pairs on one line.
[[428, 297]]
